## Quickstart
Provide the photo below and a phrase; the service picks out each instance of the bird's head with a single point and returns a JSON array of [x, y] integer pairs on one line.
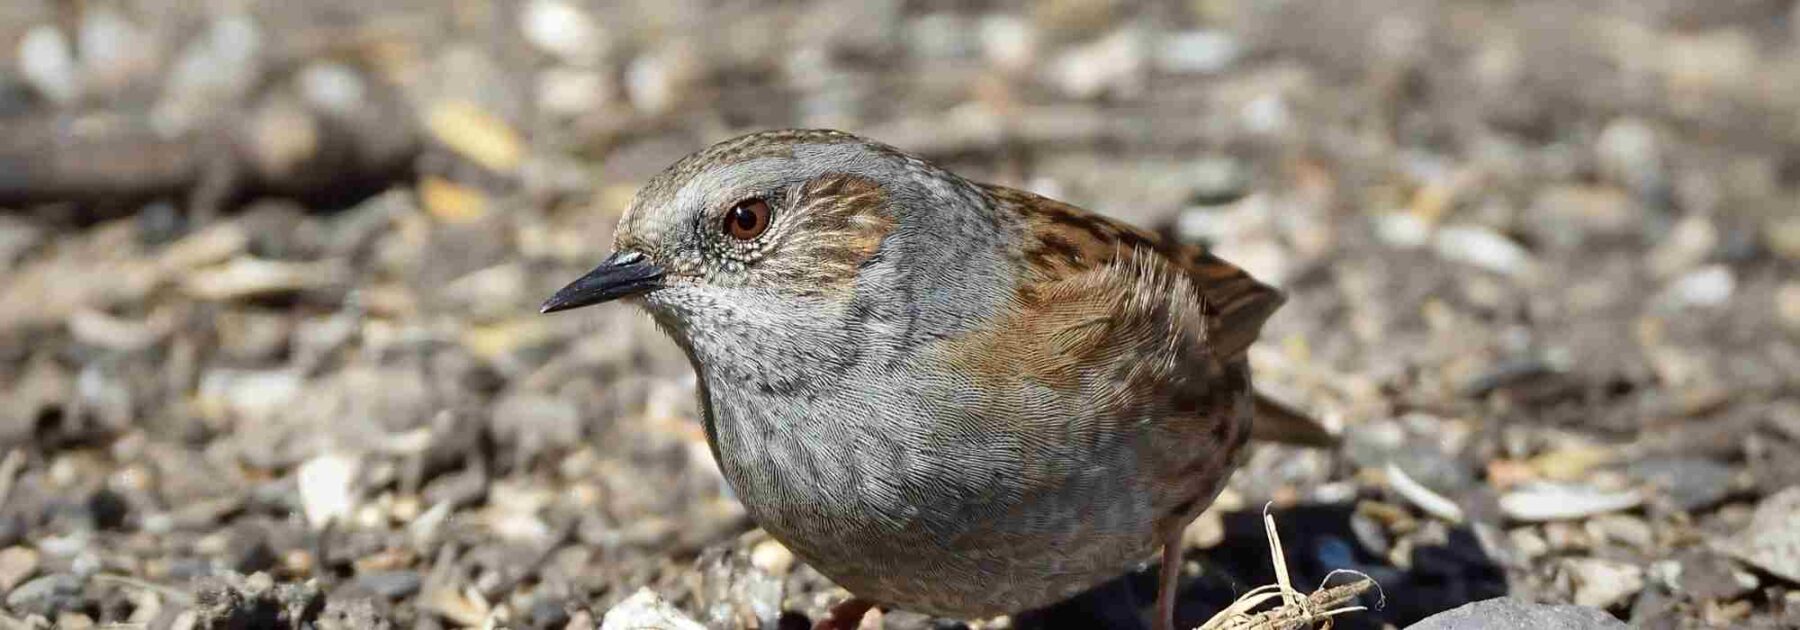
[[766, 238]]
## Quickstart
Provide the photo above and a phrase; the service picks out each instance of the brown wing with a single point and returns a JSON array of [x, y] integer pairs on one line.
[[1062, 240], [1067, 248]]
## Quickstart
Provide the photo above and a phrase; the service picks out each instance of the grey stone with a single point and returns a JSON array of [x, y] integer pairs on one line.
[[645, 610], [47, 62], [46, 595], [391, 584], [17, 564], [1771, 542], [1708, 575], [1504, 613], [1691, 483]]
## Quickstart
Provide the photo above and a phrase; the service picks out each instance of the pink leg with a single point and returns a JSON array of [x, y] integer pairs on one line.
[[1169, 578], [847, 615]]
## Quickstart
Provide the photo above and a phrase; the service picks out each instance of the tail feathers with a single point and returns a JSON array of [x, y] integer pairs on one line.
[[1277, 422]]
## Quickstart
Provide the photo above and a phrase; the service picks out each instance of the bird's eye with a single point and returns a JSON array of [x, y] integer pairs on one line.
[[748, 219]]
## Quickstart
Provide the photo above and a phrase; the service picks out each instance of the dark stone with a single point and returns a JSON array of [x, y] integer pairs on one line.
[[1656, 609], [791, 620], [1706, 575], [549, 614], [1691, 483], [12, 529], [391, 584], [249, 551], [1505, 613], [459, 488], [1506, 374]]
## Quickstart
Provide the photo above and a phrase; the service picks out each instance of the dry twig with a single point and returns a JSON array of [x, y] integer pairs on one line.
[[1297, 610]]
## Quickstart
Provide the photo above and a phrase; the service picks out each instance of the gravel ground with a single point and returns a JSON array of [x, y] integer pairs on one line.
[[269, 351]]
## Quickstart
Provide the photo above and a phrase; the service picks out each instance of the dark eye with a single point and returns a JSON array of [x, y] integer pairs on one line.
[[748, 219]]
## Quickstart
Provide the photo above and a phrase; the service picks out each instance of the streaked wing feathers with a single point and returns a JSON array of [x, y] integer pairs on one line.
[[1062, 241]]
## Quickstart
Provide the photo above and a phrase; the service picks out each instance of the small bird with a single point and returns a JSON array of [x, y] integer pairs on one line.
[[949, 397]]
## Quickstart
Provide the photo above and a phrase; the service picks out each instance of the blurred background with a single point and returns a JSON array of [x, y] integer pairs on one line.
[[269, 350]]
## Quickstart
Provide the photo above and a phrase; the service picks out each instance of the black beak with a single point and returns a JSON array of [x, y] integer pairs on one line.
[[623, 274]]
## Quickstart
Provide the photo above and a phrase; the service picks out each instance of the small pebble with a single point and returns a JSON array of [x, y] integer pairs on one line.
[[562, 29], [213, 71], [942, 35], [1546, 501], [391, 584], [1431, 502], [476, 134], [46, 595], [1787, 304], [48, 64], [112, 47], [1528, 543], [657, 81], [1266, 114], [1628, 149], [772, 557], [285, 136], [1690, 483], [1205, 532], [1771, 542], [333, 87], [1630, 531], [1571, 463], [644, 610], [1708, 61], [327, 490], [1402, 230], [547, 613], [1603, 583], [1008, 42], [1706, 287], [1113, 64], [254, 396], [571, 91], [1482, 247], [465, 607], [1597, 210], [1691, 241], [1197, 52], [247, 278], [16, 565], [18, 236], [1369, 533], [1219, 180], [452, 202], [1783, 236], [1704, 574]]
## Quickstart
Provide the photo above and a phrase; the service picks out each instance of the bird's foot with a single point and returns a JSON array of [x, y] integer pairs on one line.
[[847, 615]]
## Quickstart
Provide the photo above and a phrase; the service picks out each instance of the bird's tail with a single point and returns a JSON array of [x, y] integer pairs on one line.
[[1277, 422]]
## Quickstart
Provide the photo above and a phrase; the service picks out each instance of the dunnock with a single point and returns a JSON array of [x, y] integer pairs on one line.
[[949, 397]]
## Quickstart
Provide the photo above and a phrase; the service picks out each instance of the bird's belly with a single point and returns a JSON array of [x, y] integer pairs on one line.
[[957, 570], [962, 540]]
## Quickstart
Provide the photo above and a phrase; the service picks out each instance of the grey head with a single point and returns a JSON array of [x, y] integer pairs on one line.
[[786, 259]]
